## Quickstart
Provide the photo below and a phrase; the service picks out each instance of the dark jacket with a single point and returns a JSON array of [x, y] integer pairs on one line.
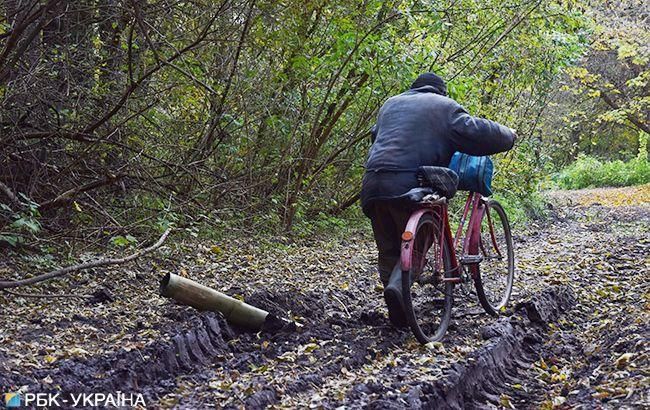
[[422, 127]]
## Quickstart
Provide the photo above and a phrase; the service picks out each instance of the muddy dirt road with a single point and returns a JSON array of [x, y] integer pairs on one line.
[[576, 333]]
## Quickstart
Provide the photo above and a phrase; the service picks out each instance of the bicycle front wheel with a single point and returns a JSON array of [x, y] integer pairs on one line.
[[428, 300], [494, 276]]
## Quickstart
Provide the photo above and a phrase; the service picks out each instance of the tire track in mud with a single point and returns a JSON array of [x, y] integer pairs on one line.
[[343, 351], [149, 370], [514, 343], [204, 345], [511, 340], [207, 342], [579, 362], [344, 341], [332, 338]]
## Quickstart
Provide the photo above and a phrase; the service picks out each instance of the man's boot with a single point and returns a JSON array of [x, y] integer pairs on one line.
[[393, 298]]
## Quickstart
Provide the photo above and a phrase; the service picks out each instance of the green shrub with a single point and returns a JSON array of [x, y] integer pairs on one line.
[[521, 208], [589, 172], [23, 224]]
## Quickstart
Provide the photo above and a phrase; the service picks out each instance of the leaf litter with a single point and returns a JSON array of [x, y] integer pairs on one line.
[[343, 352]]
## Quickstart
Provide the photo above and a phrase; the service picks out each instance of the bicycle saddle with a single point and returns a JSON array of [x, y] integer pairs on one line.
[[443, 181]]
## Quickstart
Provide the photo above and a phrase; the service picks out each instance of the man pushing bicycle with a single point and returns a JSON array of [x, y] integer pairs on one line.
[[420, 127]]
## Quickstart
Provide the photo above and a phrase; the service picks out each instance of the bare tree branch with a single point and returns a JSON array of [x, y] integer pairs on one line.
[[10, 194], [70, 193], [6, 284]]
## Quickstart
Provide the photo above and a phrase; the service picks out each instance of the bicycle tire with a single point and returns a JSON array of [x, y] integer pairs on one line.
[[421, 327], [490, 304]]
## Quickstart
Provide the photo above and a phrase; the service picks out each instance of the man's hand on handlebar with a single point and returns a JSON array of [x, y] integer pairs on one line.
[[514, 135]]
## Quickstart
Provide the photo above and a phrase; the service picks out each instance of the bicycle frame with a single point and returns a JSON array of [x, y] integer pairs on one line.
[[473, 233], [475, 209]]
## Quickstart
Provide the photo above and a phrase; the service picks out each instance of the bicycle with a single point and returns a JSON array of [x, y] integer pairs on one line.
[[428, 258]]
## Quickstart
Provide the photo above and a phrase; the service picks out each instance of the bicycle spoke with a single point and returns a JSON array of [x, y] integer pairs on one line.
[[428, 301], [497, 265]]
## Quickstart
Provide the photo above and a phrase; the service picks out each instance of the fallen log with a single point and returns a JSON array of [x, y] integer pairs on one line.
[[191, 293]]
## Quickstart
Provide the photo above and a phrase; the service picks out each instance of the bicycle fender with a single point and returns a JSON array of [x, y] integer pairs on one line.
[[406, 253]]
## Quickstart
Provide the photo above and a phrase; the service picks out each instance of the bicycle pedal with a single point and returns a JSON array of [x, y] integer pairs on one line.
[[471, 259]]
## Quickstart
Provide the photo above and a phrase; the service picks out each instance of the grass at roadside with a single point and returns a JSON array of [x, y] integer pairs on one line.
[[590, 172]]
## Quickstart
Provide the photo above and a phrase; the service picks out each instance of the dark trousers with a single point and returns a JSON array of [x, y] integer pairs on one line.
[[388, 219]]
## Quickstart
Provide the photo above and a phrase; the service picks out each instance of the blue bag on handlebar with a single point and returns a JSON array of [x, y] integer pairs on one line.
[[474, 173]]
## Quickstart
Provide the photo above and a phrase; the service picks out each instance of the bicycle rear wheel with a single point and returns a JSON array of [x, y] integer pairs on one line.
[[494, 276], [427, 300]]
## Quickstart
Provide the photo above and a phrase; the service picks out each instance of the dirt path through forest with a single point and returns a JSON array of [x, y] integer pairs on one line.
[[592, 351]]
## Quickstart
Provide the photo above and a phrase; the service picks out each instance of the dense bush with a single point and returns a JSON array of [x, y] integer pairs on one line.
[[589, 172], [119, 117]]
